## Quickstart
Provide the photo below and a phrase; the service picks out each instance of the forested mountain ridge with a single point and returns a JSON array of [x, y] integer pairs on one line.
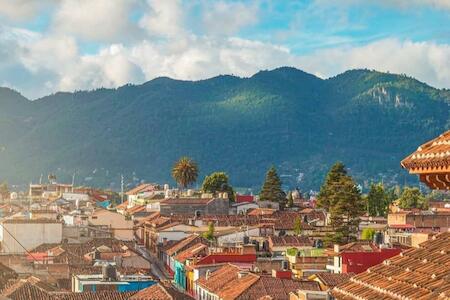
[[301, 123]]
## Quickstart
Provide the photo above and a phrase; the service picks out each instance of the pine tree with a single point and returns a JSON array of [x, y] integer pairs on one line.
[[336, 172], [340, 196], [271, 189], [377, 200]]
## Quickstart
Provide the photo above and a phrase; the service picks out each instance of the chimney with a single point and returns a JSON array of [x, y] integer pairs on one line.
[[164, 241], [336, 248]]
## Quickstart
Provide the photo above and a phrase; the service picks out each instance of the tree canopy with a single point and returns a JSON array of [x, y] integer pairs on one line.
[[340, 196], [367, 234], [185, 172], [218, 182], [411, 197], [377, 200], [298, 228], [290, 200], [4, 190], [271, 189], [209, 235]]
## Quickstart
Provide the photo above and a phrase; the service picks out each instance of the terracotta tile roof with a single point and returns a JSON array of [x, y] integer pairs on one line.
[[236, 287], [169, 225], [261, 211], [136, 209], [6, 274], [277, 288], [219, 278], [182, 244], [98, 295], [419, 274], [187, 201], [331, 279], [29, 288], [56, 251], [158, 221], [33, 288], [290, 241], [286, 219], [160, 291], [23, 290], [434, 154], [359, 247], [233, 220], [123, 205], [74, 252], [148, 218], [169, 244], [146, 187], [30, 221], [190, 252]]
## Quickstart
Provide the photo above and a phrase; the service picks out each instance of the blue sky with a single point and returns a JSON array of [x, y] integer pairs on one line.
[[51, 45]]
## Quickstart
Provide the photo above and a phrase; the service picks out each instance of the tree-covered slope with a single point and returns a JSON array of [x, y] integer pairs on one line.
[[286, 117]]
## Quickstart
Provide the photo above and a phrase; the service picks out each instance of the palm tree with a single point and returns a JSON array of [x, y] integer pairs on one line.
[[185, 172]]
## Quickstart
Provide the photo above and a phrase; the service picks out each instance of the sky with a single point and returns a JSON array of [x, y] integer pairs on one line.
[[67, 45]]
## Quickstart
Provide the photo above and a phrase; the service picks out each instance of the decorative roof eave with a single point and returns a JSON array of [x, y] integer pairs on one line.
[[416, 169], [431, 161], [436, 181], [434, 155]]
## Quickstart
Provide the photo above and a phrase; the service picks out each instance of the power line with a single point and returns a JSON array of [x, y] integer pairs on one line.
[[28, 252]]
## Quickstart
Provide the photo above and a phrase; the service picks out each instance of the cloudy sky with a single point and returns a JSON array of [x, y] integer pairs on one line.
[[53, 45]]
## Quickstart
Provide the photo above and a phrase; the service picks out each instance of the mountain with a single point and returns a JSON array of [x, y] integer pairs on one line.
[[286, 117]]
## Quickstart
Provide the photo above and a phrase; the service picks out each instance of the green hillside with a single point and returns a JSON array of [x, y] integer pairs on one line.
[[300, 123]]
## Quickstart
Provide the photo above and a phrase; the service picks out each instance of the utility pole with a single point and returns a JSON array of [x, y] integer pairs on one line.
[[121, 187], [73, 181]]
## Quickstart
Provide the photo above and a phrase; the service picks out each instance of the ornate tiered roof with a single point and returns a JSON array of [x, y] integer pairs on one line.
[[431, 161]]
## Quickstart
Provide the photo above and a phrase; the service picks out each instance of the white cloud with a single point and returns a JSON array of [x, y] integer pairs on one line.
[[403, 4], [426, 61], [163, 18], [21, 10], [229, 17], [439, 4], [41, 63], [99, 20], [55, 62]]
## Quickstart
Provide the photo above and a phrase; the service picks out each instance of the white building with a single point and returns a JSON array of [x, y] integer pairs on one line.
[[76, 197], [242, 208], [16, 235], [236, 236]]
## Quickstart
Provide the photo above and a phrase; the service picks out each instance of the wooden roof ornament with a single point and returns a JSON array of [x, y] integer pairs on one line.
[[431, 162]]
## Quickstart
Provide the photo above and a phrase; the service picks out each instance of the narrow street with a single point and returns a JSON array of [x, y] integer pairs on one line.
[[157, 269]]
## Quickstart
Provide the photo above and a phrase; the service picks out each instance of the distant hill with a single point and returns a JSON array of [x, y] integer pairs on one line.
[[286, 117]]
